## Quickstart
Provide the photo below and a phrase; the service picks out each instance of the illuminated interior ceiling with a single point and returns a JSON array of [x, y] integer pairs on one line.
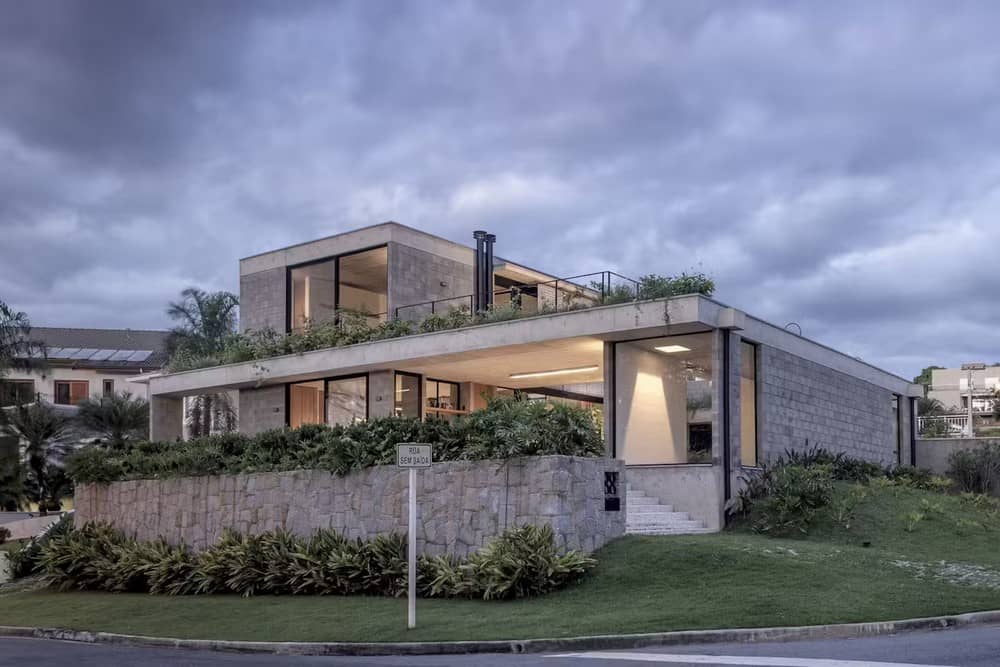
[[699, 354], [496, 365]]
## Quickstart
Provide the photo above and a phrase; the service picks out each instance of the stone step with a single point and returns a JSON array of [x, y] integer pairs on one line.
[[662, 521], [662, 516], [648, 509], [641, 500], [663, 530]]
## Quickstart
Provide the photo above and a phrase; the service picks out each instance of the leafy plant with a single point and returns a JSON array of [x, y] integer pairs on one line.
[[24, 557], [793, 496], [976, 470], [118, 418], [522, 562], [42, 430], [911, 520], [4, 534]]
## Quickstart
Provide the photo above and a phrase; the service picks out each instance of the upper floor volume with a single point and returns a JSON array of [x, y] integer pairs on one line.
[[390, 271]]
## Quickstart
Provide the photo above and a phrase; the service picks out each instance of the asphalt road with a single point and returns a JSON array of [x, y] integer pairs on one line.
[[969, 647]]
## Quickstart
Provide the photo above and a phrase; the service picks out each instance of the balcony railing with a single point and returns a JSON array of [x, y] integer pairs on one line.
[[956, 424], [549, 296]]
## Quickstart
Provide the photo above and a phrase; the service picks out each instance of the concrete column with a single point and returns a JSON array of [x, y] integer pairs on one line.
[[381, 394], [166, 418], [609, 401]]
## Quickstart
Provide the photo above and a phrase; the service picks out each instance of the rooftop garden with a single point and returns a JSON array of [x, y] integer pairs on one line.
[[204, 342]]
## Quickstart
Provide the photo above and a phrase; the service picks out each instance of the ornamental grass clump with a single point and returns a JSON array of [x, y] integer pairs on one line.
[[522, 562]]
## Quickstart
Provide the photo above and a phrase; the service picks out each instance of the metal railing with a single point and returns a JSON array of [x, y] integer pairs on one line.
[[956, 424], [549, 296]]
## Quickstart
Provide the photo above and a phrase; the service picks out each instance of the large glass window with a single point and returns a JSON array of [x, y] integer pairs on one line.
[[443, 399], [347, 400], [663, 399], [16, 392], [407, 395], [359, 281], [71, 392], [306, 402], [748, 404]]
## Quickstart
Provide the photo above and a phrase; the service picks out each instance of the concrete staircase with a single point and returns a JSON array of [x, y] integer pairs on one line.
[[645, 515]]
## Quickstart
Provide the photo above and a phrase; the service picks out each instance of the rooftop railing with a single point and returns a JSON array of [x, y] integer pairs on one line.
[[548, 296]]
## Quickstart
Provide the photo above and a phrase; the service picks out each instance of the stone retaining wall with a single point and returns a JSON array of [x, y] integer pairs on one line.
[[933, 453], [461, 505]]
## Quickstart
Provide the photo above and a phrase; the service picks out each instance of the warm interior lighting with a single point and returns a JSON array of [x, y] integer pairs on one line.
[[673, 348], [561, 371]]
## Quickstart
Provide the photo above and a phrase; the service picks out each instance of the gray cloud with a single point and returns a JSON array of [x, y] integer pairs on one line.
[[829, 164]]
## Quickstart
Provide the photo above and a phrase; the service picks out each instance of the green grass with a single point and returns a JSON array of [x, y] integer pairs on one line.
[[643, 584]]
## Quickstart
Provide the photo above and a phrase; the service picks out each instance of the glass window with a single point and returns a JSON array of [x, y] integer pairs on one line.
[[108, 388], [407, 395], [347, 400], [306, 402], [314, 293], [443, 395], [748, 404], [16, 392], [71, 392], [364, 283], [663, 394], [359, 281]]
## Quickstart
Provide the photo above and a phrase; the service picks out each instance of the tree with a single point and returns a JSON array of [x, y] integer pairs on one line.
[[207, 322], [17, 350], [118, 418], [40, 429], [925, 377], [12, 488], [928, 407]]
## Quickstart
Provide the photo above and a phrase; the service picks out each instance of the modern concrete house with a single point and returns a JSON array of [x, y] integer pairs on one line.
[[951, 387], [692, 391]]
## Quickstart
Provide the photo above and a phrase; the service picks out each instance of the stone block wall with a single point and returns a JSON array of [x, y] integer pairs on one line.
[[262, 300], [800, 399], [461, 504], [933, 453], [416, 276], [262, 409]]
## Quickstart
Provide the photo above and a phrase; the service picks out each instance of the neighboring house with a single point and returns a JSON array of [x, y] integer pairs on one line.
[[951, 387], [692, 392], [85, 362]]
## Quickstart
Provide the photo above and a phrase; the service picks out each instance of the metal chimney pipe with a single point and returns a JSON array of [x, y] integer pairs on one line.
[[480, 263], [488, 270]]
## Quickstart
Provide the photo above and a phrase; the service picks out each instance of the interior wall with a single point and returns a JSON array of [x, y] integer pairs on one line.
[[651, 406]]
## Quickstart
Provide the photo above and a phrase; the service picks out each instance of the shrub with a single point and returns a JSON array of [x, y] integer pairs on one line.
[[522, 562], [507, 427], [24, 558], [4, 534], [791, 499], [976, 470]]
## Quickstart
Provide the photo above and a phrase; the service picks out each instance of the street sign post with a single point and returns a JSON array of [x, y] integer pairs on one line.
[[412, 455]]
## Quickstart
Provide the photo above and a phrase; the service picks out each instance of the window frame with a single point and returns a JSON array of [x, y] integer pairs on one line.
[[336, 279], [17, 381], [55, 391], [107, 383], [458, 396], [326, 381], [756, 403], [420, 392]]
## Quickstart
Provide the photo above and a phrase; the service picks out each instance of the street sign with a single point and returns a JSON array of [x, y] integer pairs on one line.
[[412, 455]]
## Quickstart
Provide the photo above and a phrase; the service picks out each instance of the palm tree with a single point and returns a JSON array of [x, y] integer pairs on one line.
[[17, 350], [41, 430], [927, 407], [207, 321], [119, 417]]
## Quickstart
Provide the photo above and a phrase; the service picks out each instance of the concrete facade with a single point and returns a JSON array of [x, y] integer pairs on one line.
[[951, 387], [262, 409], [263, 299], [804, 404], [416, 276], [461, 504]]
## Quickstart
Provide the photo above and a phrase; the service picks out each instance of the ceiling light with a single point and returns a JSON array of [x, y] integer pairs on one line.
[[673, 348], [561, 371]]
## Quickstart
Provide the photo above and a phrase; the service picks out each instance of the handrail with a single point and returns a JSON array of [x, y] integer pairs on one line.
[[598, 292]]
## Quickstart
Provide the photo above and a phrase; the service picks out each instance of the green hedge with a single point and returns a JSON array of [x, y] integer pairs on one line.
[[522, 562], [506, 428]]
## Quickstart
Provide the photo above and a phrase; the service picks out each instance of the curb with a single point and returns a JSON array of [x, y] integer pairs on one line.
[[585, 643]]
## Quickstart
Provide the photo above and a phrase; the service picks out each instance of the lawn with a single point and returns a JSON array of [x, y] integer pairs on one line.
[[643, 584]]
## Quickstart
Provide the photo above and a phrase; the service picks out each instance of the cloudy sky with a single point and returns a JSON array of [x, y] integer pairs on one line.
[[832, 164]]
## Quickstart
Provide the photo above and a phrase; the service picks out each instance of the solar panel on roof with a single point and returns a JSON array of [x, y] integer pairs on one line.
[[120, 355], [101, 355], [62, 352], [140, 355], [85, 353]]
